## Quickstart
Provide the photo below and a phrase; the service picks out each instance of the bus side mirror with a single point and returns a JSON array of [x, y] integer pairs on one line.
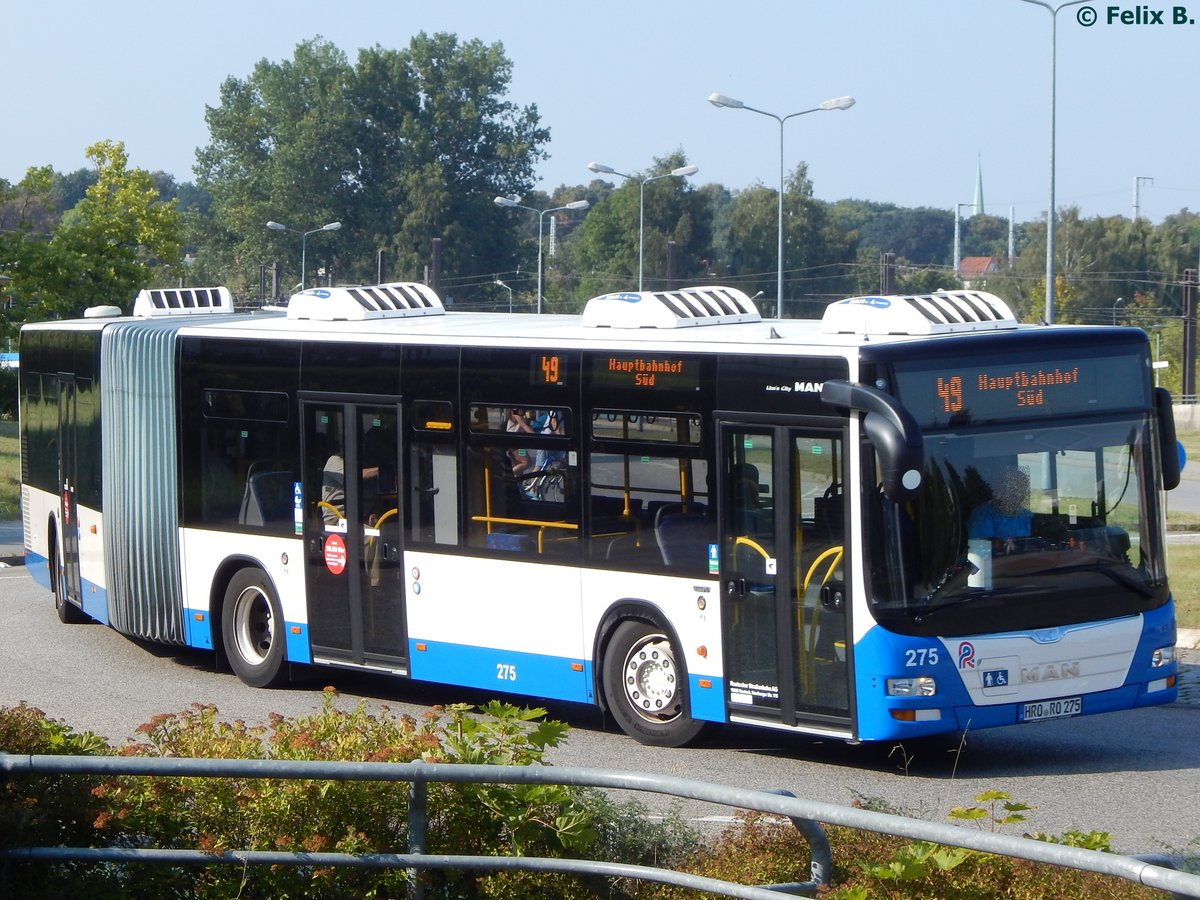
[[891, 429], [1171, 460]]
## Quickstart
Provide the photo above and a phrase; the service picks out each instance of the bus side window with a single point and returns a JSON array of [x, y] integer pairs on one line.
[[522, 485]]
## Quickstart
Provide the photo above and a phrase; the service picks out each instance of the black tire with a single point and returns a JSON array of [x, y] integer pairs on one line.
[[646, 686], [253, 630], [68, 612]]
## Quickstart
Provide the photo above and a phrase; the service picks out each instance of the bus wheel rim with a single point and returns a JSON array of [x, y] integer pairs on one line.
[[651, 679], [254, 626]]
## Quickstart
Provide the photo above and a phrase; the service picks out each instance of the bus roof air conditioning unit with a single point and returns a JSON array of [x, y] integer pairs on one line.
[[670, 309], [945, 312], [183, 302], [353, 304]]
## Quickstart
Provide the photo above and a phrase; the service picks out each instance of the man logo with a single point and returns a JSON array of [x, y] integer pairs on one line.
[[808, 387]]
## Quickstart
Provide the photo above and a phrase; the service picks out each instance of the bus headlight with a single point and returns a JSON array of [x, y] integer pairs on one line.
[[1163, 656], [923, 686]]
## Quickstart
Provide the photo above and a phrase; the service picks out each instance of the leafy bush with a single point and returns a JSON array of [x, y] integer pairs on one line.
[[219, 814], [47, 810], [8, 393], [762, 849], [216, 815]]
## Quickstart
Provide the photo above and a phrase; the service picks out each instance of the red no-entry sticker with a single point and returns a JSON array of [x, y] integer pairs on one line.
[[335, 554]]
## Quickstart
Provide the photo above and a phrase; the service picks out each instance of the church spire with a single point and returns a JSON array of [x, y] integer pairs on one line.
[[978, 211]]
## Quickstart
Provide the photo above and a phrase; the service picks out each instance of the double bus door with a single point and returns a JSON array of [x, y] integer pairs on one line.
[[783, 575], [352, 532], [69, 582]]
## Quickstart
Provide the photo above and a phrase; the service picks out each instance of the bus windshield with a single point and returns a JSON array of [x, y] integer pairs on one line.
[[1023, 528]]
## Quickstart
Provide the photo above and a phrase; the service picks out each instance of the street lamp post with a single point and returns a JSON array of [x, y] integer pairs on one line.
[[722, 102], [1050, 216], [681, 172], [332, 226], [500, 283], [541, 213]]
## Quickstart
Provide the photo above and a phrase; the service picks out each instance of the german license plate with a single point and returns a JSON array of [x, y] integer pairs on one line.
[[1061, 708]]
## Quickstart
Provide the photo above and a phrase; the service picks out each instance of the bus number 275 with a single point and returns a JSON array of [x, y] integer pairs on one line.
[[921, 657], [506, 672]]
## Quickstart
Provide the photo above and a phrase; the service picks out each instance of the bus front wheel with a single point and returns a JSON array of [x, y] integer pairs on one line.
[[253, 630], [646, 686]]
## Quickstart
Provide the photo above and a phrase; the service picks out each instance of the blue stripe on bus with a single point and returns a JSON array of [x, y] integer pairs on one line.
[[552, 677], [95, 598], [38, 568], [197, 632], [708, 697], [95, 601], [299, 650]]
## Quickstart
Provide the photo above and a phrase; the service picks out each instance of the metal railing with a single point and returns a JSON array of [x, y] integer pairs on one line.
[[1152, 872]]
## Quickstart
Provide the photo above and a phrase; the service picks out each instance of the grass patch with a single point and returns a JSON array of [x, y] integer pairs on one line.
[[1183, 570], [10, 471]]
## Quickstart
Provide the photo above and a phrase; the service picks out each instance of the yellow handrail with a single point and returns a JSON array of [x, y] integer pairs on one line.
[[532, 523], [329, 506], [744, 541], [808, 628], [836, 552]]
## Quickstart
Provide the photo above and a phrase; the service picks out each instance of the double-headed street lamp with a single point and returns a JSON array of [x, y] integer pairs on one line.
[[275, 226], [722, 102], [681, 172], [541, 213]]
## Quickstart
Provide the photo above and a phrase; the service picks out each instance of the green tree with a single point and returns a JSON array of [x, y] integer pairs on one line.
[[819, 254], [609, 243], [119, 238], [401, 147]]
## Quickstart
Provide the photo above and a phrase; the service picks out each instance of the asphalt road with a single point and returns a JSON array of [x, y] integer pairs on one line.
[[1133, 774]]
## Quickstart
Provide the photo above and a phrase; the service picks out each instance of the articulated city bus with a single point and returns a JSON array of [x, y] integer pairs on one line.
[[911, 516]]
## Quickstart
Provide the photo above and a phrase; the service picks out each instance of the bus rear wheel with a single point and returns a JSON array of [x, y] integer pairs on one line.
[[68, 612], [253, 630], [646, 686]]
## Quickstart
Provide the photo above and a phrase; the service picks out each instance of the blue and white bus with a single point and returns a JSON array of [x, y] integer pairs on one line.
[[667, 506]]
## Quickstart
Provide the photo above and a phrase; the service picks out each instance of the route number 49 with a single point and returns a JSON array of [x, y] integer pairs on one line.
[[506, 672], [921, 657]]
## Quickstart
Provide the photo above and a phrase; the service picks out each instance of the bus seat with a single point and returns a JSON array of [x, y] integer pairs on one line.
[[682, 538], [268, 499], [514, 543]]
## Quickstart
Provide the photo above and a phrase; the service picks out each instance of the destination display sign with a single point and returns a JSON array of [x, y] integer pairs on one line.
[[963, 391], [650, 372]]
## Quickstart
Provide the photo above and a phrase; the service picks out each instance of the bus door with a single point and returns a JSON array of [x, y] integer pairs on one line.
[[782, 574], [352, 521], [68, 488]]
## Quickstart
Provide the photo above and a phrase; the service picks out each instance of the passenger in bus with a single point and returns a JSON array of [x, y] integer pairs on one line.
[[545, 459], [520, 460], [333, 490], [1006, 517]]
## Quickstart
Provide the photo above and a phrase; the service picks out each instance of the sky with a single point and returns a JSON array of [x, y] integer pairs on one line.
[[943, 89]]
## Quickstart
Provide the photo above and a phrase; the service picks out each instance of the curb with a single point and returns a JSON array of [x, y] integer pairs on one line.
[[1188, 638]]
